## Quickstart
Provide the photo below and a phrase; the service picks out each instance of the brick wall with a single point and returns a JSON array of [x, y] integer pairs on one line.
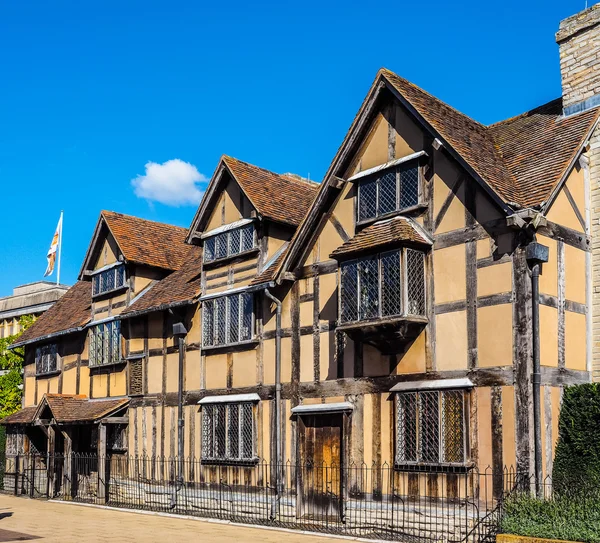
[[578, 38]]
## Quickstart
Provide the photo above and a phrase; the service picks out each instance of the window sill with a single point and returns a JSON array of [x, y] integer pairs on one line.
[[220, 261], [249, 344], [109, 366], [109, 293], [434, 468], [411, 211], [47, 374], [229, 462]]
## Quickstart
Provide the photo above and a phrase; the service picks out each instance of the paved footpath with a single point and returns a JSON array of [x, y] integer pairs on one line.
[[22, 519]]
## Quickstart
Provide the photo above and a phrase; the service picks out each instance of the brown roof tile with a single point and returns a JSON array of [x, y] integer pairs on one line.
[[75, 408], [521, 158], [538, 146], [182, 285], [147, 242], [23, 416], [280, 197], [72, 311], [382, 234]]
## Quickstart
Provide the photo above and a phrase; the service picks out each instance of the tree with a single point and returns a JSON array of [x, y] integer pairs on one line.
[[11, 361]]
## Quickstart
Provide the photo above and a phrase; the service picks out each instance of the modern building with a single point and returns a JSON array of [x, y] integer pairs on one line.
[[31, 299], [383, 317]]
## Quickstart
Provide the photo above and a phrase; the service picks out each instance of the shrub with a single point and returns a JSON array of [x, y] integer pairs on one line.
[[577, 460], [563, 517]]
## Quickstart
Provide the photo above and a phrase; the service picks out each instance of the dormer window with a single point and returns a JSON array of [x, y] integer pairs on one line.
[[229, 243], [108, 279], [383, 285], [388, 190]]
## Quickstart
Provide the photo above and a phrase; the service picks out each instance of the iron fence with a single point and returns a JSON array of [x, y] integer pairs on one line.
[[378, 502]]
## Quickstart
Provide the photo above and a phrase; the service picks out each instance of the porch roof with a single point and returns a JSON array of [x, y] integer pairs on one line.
[[24, 416], [71, 408]]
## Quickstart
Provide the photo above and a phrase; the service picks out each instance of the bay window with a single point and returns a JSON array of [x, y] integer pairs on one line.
[[107, 280], [229, 243]]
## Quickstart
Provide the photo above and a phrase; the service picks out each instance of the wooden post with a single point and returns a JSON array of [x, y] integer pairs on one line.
[[51, 472], [68, 463], [102, 482]]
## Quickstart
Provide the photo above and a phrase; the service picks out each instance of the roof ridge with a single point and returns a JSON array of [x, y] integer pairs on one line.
[[421, 89], [523, 114], [288, 176], [102, 212]]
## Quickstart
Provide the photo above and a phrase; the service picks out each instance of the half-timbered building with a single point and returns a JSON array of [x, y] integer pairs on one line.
[[391, 314]]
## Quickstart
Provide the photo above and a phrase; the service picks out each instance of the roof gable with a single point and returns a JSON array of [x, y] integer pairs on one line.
[[140, 241], [282, 198]]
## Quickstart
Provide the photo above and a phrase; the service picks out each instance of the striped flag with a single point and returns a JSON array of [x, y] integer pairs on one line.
[[51, 256]]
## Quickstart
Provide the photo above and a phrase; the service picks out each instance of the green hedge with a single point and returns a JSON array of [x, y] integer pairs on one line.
[[573, 513], [565, 517], [577, 460]]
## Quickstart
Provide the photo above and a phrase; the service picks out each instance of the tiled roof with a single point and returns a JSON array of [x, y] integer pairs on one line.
[[521, 158], [72, 311], [24, 416], [538, 146], [270, 272], [382, 234], [75, 408], [280, 197], [147, 242], [180, 286]]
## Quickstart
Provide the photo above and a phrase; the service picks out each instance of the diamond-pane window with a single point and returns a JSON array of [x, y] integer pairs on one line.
[[228, 320], [415, 278], [229, 243], [228, 432], [367, 199], [392, 190], [349, 292], [387, 193], [368, 277], [409, 187], [431, 427], [107, 280], [105, 343], [391, 284]]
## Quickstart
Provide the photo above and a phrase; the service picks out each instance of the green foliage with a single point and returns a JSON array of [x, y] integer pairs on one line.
[[577, 460], [12, 362], [564, 517]]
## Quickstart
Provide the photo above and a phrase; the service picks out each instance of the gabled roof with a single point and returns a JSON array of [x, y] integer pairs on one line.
[[388, 233], [141, 241], [23, 416], [67, 408], [179, 288], [539, 146], [283, 198], [519, 162], [69, 314]]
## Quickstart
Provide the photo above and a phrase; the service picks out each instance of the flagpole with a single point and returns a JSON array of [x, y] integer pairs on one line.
[[59, 248]]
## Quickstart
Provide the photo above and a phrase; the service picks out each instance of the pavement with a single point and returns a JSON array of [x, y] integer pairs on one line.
[[23, 519]]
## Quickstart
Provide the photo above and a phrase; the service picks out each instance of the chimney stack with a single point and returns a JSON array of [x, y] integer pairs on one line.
[[578, 39]]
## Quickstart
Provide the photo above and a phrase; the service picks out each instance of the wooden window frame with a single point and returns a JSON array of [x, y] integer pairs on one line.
[[116, 270], [230, 253], [54, 355], [93, 351], [215, 344]]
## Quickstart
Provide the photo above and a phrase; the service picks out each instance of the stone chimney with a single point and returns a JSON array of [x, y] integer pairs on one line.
[[578, 39]]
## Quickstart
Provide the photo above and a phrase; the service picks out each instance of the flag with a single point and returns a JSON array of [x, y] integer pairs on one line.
[[51, 256]]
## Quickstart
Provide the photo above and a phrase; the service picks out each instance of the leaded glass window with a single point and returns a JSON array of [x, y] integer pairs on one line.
[[387, 191], [105, 343], [108, 280], [227, 320], [228, 432], [46, 359], [229, 243], [431, 427]]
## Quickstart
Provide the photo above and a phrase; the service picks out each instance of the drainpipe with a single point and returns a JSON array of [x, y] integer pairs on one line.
[[179, 332], [279, 460], [536, 254]]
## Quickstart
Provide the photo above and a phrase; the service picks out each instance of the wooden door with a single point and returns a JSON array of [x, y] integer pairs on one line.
[[321, 466]]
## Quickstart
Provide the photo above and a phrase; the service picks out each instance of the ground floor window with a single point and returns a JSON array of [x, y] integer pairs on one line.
[[228, 432], [431, 427]]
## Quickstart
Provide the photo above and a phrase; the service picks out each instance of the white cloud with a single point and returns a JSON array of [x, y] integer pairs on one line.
[[173, 183]]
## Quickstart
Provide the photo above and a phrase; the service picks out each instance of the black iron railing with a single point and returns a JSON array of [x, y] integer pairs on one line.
[[380, 502]]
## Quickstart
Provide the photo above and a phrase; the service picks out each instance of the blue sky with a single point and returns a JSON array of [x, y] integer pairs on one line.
[[92, 92]]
